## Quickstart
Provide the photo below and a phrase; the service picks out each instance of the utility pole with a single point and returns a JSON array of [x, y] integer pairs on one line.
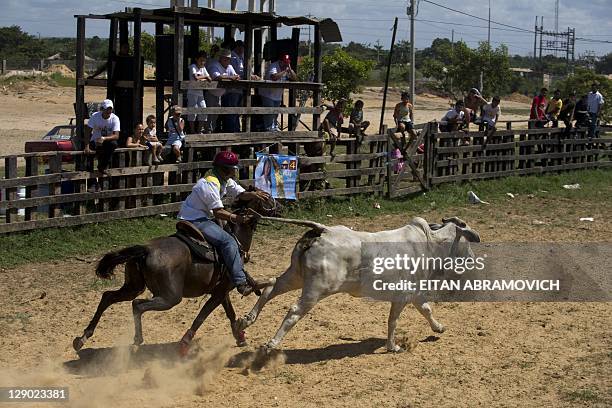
[[489, 28], [412, 61], [535, 43], [453, 55]]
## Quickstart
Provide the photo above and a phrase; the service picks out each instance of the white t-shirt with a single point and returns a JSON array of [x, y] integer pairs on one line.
[[489, 112], [595, 100], [206, 196], [276, 94], [451, 115], [103, 127], [216, 70], [193, 71]]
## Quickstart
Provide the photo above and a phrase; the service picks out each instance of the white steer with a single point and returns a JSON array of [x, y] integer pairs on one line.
[[327, 260]]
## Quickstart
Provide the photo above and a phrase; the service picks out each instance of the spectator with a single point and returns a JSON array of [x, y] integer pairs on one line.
[[105, 127], [175, 126], [221, 70], [595, 102], [454, 118], [402, 114], [490, 113], [554, 108], [581, 112], [357, 126], [195, 97], [538, 109], [331, 127], [152, 142], [567, 111], [473, 105], [279, 70]]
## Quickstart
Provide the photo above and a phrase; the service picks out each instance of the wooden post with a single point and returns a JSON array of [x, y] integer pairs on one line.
[[159, 86], [293, 119], [55, 166], [248, 69], [258, 44], [138, 70], [123, 32], [110, 60], [382, 111], [4, 71], [10, 172], [80, 90], [318, 74], [179, 52], [31, 170]]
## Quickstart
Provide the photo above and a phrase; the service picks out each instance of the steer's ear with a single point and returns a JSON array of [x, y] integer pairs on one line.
[[468, 234], [455, 220]]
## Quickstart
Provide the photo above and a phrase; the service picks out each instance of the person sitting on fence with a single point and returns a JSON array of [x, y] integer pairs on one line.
[[554, 108], [152, 142], [279, 70], [203, 206], [331, 127], [105, 127], [473, 105], [220, 70], [454, 119], [357, 126], [567, 111], [195, 97], [594, 103], [137, 139], [538, 109], [402, 115], [581, 112], [175, 126], [490, 114]]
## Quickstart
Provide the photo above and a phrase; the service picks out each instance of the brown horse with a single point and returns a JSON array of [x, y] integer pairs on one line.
[[165, 266]]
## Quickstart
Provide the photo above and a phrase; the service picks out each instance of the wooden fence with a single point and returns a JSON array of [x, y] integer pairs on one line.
[[41, 190]]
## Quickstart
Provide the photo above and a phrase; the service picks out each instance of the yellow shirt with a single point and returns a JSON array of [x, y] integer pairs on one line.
[[554, 104]]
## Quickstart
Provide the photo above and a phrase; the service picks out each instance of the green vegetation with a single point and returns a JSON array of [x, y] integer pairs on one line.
[[51, 244], [584, 395]]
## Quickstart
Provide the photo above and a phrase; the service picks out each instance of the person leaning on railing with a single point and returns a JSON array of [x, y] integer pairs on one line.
[[279, 70]]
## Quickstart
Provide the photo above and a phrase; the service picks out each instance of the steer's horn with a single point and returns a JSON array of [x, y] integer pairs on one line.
[[455, 220], [468, 234]]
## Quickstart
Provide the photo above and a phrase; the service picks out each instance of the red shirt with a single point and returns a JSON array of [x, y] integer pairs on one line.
[[538, 108]]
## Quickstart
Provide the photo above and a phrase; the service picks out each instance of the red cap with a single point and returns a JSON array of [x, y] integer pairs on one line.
[[226, 159], [286, 58]]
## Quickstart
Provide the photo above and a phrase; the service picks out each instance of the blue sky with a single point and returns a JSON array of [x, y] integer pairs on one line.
[[360, 20]]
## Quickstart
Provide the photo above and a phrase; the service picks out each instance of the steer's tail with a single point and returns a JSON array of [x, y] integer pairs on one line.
[[320, 228], [106, 266]]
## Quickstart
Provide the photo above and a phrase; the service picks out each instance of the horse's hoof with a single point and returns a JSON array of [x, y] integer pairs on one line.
[[240, 324], [183, 349], [138, 341], [241, 338], [78, 343], [185, 342]]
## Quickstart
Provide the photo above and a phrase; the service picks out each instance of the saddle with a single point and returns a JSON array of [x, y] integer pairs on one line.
[[200, 249]]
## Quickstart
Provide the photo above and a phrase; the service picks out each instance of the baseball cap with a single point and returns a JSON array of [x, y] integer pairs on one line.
[[107, 103], [285, 58], [223, 52]]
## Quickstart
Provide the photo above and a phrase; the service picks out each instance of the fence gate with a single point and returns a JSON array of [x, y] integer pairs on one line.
[[405, 171]]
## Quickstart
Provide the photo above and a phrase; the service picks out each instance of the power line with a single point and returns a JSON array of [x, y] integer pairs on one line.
[[477, 17]]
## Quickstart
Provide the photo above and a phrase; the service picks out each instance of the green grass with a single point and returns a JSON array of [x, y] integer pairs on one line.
[[584, 394], [61, 80], [55, 243]]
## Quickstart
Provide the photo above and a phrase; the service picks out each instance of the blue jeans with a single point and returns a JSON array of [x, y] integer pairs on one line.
[[593, 125], [231, 123], [270, 120], [227, 246]]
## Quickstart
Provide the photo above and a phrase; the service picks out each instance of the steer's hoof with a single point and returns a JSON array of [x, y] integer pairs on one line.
[[395, 349], [78, 343], [439, 328]]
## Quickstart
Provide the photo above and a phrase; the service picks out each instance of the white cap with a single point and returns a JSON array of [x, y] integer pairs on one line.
[[107, 103]]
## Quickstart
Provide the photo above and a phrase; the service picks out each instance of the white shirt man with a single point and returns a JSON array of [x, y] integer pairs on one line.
[[102, 127], [452, 116], [217, 71], [490, 113], [595, 101], [275, 94], [206, 195]]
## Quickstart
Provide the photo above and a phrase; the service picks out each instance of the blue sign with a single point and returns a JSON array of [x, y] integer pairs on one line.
[[277, 174]]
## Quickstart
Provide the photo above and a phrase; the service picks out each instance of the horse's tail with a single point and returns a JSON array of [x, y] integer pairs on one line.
[[106, 266]]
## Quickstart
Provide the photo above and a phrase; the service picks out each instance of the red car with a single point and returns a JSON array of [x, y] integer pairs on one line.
[[60, 138]]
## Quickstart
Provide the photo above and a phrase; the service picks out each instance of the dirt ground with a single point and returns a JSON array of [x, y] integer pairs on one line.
[[492, 354], [28, 113]]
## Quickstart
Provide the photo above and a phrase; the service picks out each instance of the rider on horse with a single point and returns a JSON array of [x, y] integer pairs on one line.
[[203, 206]]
